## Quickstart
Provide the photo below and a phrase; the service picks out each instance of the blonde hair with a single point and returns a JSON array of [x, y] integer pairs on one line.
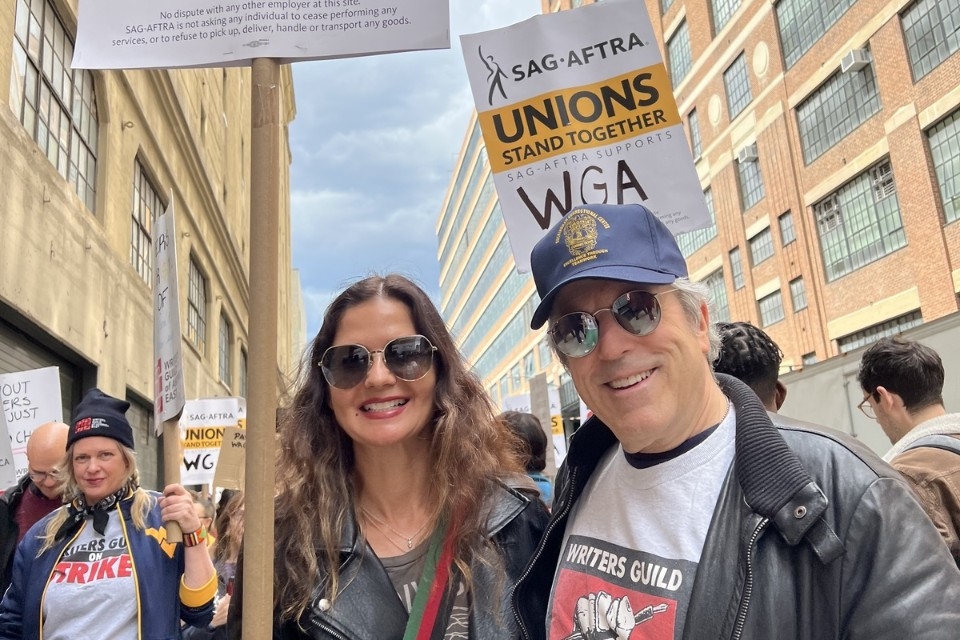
[[71, 492]]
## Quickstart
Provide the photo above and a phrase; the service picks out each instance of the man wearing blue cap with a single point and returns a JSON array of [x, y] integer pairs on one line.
[[682, 507]]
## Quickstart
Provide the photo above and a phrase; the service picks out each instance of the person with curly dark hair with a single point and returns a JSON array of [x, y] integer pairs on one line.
[[748, 354], [395, 513]]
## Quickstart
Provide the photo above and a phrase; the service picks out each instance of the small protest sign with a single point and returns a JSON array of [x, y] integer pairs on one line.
[[202, 427], [29, 398], [576, 107], [230, 472], [120, 34]]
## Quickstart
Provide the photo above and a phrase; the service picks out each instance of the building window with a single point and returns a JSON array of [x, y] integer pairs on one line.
[[761, 246], [860, 222], [515, 379], [146, 207], [809, 358], [665, 5], [798, 294], [723, 10], [787, 233], [243, 373], [750, 182], [944, 138], [836, 109], [56, 104], [546, 353], [931, 29], [737, 85], [679, 53], [718, 292], [883, 330], [226, 339], [771, 308], [197, 308], [736, 269], [504, 388], [528, 366], [691, 241], [802, 22], [568, 392], [693, 120]]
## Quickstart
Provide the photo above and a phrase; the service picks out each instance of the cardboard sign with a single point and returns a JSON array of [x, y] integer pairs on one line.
[[576, 107], [29, 398], [231, 463], [121, 34]]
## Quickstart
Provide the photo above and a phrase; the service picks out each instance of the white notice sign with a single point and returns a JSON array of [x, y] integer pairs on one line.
[[29, 399], [127, 34], [576, 107]]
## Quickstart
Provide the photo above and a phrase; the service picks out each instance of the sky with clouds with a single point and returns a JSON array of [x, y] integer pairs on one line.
[[374, 145]]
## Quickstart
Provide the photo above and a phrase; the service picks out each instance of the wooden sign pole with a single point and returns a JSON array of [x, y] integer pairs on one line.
[[262, 366]]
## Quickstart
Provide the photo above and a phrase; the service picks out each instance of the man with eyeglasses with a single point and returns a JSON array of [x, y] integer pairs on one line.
[[902, 383], [35, 495], [683, 508]]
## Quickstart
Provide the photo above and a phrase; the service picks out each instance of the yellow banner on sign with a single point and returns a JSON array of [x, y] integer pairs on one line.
[[579, 118], [202, 437]]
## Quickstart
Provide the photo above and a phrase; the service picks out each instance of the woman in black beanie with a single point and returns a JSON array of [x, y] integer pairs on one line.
[[101, 566]]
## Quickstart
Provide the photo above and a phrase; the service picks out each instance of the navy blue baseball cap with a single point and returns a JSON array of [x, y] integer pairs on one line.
[[625, 242]]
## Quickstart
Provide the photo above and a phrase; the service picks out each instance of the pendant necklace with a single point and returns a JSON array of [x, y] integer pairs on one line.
[[379, 524]]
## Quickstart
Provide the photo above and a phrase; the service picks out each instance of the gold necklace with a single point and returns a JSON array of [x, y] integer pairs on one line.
[[379, 524]]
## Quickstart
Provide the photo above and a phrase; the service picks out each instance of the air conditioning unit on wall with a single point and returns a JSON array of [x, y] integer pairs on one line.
[[855, 60], [747, 153]]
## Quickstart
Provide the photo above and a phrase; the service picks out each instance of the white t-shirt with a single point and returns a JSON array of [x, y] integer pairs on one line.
[[92, 593], [633, 542]]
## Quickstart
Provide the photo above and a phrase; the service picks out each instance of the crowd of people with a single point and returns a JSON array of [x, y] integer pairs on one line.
[[407, 507]]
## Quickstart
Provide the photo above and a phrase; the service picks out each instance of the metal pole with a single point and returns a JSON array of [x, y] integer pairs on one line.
[[262, 366]]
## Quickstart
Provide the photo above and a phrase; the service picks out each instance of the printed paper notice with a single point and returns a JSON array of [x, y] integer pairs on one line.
[[120, 34]]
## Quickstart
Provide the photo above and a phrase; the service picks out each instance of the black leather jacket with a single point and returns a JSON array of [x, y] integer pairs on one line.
[[813, 538], [368, 608]]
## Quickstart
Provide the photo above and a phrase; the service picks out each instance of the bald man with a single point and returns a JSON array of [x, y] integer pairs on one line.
[[35, 495]]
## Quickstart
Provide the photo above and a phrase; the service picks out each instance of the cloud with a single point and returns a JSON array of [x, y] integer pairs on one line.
[[374, 143]]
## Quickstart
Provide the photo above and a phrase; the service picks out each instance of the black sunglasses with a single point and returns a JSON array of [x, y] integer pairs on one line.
[[577, 334], [408, 358]]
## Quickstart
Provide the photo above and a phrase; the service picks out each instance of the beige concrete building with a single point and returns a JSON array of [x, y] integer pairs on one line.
[[827, 141], [87, 159]]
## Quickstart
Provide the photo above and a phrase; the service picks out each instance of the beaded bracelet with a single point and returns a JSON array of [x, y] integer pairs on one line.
[[194, 538]]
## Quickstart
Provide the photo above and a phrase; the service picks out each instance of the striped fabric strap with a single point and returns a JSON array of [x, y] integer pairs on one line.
[[431, 587]]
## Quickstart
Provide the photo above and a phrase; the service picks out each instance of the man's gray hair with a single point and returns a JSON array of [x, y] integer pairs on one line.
[[692, 295]]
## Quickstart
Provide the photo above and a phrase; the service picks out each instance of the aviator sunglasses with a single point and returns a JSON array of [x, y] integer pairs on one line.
[[408, 358], [577, 334]]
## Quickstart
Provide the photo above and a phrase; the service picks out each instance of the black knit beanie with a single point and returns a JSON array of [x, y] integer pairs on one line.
[[101, 415]]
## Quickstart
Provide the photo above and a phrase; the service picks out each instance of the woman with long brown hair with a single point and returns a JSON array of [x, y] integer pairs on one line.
[[397, 514]]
